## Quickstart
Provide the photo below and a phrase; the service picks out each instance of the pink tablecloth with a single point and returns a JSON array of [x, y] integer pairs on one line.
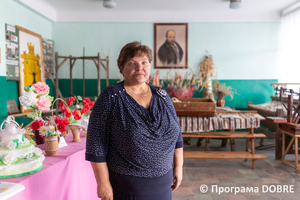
[[64, 176]]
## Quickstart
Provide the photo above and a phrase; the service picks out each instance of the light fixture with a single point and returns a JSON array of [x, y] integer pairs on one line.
[[235, 4], [109, 3]]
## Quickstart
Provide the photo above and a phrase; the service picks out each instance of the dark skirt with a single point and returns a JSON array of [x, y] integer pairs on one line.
[[138, 188]]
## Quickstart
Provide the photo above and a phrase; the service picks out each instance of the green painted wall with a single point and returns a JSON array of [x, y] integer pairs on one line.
[[256, 91]]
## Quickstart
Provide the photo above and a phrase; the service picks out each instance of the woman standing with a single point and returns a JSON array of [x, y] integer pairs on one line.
[[134, 136]]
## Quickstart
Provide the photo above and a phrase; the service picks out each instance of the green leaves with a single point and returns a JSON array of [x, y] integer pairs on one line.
[[33, 114], [26, 88], [79, 98]]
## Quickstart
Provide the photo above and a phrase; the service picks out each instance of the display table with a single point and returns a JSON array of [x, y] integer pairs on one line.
[[66, 175], [223, 125]]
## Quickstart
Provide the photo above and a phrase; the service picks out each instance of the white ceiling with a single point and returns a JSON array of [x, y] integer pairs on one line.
[[160, 10]]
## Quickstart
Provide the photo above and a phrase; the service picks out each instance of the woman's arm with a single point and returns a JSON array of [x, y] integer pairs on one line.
[[177, 170], [104, 189]]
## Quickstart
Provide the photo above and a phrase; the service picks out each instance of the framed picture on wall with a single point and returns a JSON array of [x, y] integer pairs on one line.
[[31, 60], [170, 45], [12, 107]]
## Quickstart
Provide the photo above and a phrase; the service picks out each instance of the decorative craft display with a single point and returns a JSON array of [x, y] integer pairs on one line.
[[182, 86], [206, 70], [37, 99], [12, 52], [78, 114], [155, 80], [18, 157], [221, 90]]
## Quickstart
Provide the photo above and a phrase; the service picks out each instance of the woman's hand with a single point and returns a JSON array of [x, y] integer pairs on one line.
[[177, 178], [105, 191]]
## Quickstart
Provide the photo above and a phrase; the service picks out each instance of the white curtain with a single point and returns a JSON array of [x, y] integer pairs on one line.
[[289, 63]]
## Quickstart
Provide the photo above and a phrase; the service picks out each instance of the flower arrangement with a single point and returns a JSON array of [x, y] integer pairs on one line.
[[181, 86], [76, 112], [221, 90], [37, 98], [54, 128]]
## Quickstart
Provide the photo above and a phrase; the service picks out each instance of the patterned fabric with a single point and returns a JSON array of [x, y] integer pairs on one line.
[[133, 140], [220, 121]]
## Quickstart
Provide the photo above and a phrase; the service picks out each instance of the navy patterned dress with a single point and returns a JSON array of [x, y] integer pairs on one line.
[[138, 144]]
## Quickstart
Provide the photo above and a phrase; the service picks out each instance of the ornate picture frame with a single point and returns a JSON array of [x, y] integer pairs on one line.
[[31, 60], [170, 45]]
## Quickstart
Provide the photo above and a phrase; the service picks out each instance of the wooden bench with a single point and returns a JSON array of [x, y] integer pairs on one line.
[[247, 154]]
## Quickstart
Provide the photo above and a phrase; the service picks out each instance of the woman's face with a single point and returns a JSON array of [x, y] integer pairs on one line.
[[137, 70]]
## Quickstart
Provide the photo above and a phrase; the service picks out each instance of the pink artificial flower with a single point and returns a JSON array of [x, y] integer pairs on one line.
[[43, 103], [41, 88]]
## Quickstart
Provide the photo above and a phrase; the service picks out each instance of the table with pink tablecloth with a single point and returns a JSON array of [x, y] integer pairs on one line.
[[64, 176]]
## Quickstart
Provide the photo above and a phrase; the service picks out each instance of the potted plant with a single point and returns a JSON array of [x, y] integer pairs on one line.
[[221, 90]]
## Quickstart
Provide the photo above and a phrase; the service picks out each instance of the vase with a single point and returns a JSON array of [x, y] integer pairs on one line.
[[38, 138], [220, 103], [76, 135], [51, 145]]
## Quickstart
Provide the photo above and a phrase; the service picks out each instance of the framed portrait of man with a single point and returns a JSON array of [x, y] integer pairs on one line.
[[170, 45]]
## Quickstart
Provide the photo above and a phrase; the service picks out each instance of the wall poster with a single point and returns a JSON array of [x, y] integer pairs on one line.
[[48, 46], [12, 52]]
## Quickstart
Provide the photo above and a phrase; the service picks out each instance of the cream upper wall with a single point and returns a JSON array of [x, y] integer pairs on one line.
[[240, 50]]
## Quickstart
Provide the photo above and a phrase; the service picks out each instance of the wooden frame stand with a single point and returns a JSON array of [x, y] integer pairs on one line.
[[285, 150]]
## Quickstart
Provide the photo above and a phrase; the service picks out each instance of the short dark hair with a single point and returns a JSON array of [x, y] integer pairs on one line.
[[131, 50], [169, 31]]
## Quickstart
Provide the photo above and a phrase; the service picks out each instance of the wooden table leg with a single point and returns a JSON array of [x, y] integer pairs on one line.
[[232, 144], [247, 146], [224, 142], [253, 152], [283, 146], [278, 146], [296, 153], [207, 143], [253, 163]]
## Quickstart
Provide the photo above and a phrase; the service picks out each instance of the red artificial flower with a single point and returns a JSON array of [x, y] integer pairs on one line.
[[61, 127], [57, 120], [63, 110], [76, 114], [77, 117], [65, 121], [92, 104], [71, 99], [67, 114], [69, 103], [87, 106], [35, 125], [61, 104], [84, 110], [86, 101]]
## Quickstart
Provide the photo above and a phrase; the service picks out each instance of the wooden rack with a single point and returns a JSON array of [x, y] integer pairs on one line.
[[98, 62]]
